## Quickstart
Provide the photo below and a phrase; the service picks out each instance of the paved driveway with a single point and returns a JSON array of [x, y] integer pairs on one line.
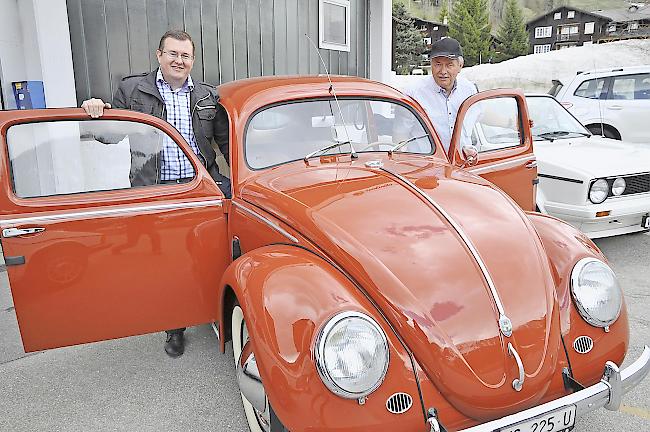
[[131, 385]]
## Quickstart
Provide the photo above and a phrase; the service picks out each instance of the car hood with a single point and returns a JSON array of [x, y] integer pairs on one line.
[[592, 157], [418, 269]]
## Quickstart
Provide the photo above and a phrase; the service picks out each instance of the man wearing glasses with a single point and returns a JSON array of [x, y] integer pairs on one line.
[[192, 107]]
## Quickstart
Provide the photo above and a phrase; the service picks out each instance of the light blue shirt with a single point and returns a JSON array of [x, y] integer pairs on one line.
[[441, 108]]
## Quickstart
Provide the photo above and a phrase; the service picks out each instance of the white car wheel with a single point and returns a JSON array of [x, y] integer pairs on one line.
[[257, 421]]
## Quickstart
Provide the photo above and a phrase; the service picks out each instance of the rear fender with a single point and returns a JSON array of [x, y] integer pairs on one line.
[[287, 294], [565, 246]]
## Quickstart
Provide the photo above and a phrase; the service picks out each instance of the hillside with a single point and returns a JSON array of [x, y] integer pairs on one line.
[[425, 9]]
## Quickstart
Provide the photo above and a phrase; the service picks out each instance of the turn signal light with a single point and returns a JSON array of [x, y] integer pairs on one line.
[[603, 213]]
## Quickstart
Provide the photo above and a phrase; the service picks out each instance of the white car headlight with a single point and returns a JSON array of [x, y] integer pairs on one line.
[[596, 292], [598, 191], [619, 186], [352, 355]]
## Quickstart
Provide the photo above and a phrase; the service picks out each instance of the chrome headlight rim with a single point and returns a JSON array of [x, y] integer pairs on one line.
[[584, 313], [321, 339], [618, 186], [600, 183]]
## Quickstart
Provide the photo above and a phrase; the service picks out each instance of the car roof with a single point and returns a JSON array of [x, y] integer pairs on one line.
[[616, 70], [260, 91]]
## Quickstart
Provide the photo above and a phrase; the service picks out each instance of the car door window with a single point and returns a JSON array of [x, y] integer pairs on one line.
[[642, 87], [66, 157], [623, 87], [492, 124], [591, 89]]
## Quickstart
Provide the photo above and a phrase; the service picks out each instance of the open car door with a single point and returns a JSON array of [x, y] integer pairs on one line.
[[96, 245], [495, 123]]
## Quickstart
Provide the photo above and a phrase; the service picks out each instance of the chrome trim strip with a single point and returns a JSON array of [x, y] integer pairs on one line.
[[111, 212], [567, 179], [597, 396], [518, 383], [503, 319], [501, 165], [271, 224]]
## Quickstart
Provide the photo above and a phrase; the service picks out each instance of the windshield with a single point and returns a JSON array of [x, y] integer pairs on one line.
[[295, 130], [550, 119]]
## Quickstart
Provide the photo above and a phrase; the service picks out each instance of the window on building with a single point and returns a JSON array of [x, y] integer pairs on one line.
[[543, 32], [334, 24], [589, 28], [427, 41], [571, 14], [542, 48], [634, 25], [611, 28], [557, 16], [435, 28]]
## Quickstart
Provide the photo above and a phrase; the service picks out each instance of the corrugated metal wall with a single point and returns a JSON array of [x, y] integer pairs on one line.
[[234, 39]]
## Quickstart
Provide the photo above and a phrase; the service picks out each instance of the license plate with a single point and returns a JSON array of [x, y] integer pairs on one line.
[[645, 222], [561, 419]]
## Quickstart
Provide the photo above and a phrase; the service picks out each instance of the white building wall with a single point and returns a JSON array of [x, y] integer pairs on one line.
[[35, 46], [12, 64]]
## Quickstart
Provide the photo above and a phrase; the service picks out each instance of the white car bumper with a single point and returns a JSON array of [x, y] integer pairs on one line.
[[625, 215]]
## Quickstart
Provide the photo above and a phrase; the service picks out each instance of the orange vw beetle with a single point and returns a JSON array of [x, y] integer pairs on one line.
[[368, 279]]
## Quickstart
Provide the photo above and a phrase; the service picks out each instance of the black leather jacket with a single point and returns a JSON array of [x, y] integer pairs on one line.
[[209, 121]]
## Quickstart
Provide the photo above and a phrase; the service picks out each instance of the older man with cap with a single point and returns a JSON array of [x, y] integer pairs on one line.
[[442, 96]]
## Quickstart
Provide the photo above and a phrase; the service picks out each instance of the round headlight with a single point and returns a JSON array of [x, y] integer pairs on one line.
[[352, 355], [598, 191], [619, 186], [596, 292]]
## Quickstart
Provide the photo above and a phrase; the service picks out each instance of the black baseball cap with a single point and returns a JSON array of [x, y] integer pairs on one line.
[[446, 47]]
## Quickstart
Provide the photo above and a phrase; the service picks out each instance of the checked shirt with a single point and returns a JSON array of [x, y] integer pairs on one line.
[[174, 164]]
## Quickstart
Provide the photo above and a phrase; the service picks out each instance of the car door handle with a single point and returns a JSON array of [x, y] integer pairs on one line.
[[615, 107], [15, 232], [532, 164]]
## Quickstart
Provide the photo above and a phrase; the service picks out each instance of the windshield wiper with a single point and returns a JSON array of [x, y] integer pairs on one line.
[[401, 144], [324, 149]]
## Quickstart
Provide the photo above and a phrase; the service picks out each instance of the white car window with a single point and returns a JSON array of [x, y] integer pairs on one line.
[[591, 89]]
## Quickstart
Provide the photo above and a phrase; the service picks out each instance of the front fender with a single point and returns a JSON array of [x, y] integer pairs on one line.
[[287, 294], [565, 246]]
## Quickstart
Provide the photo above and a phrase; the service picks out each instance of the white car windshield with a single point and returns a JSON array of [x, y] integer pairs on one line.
[[551, 121], [297, 130]]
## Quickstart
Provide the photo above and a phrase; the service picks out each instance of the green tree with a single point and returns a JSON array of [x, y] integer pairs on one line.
[[469, 23], [444, 13], [512, 34], [409, 45]]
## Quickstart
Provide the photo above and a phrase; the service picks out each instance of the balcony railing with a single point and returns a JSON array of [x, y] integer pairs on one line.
[[567, 37]]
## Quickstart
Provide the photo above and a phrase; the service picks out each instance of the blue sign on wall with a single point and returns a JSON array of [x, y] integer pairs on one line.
[[29, 94]]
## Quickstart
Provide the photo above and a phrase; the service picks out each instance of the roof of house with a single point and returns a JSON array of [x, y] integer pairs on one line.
[[435, 23], [626, 14], [594, 14]]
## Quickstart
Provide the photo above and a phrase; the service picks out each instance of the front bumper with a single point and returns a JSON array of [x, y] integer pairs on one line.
[[607, 393], [625, 215]]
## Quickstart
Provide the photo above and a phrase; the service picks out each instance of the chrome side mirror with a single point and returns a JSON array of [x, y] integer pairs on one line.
[[470, 156]]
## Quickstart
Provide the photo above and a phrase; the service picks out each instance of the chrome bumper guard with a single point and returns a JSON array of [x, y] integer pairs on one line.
[[607, 393]]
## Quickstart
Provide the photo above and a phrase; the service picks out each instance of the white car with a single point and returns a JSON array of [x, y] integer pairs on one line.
[[599, 185], [614, 103]]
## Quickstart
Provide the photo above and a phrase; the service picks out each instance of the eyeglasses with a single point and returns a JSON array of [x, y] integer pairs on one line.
[[173, 55]]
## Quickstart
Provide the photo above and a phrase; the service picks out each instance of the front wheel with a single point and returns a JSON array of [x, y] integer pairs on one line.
[[258, 421]]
